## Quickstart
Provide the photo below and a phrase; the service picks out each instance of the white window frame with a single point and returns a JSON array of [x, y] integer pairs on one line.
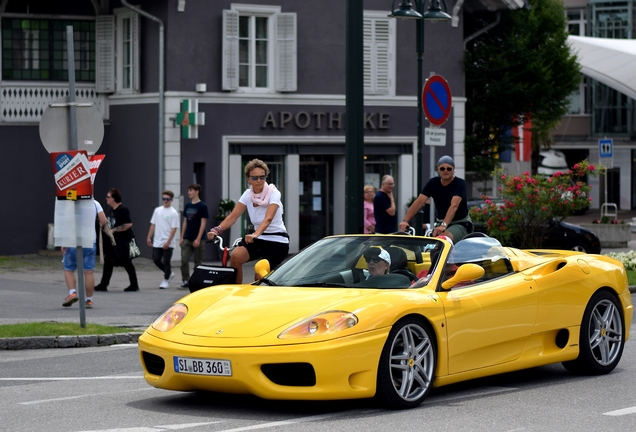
[[268, 12], [122, 14], [374, 85], [281, 50]]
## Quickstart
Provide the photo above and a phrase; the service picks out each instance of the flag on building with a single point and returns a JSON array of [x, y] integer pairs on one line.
[[522, 135]]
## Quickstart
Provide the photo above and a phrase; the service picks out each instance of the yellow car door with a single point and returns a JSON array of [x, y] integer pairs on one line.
[[488, 323]]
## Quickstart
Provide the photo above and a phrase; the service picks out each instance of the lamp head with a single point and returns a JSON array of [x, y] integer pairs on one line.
[[405, 10], [435, 12]]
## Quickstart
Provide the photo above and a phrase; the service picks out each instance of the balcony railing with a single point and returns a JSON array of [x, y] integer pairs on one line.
[[26, 101]]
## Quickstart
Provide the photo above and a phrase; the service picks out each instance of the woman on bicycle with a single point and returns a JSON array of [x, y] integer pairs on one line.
[[262, 202]]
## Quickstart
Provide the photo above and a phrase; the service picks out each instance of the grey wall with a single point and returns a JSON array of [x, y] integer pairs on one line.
[[29, 203]]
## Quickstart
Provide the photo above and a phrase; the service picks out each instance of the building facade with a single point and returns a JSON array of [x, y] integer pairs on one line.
[[598, 112], [269, 78]]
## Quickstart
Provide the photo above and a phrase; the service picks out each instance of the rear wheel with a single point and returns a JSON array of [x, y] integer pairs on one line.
[[407, 365], [602, 338]]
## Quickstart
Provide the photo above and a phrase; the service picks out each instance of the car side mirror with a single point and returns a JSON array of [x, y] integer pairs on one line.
[[465, 273], [261, 268]]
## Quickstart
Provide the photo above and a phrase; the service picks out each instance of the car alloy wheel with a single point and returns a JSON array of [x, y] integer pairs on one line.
[[602, 337], [407, 365]]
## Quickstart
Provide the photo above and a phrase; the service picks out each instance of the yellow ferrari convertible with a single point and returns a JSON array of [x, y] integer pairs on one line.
[[392, 316]]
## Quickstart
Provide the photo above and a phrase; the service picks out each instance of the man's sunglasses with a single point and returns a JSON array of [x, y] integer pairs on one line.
[[254, 178], [167, 199], [373, 260], [445, 168]]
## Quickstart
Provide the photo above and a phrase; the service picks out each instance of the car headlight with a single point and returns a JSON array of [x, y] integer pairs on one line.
[[320, 325], [170, 318]]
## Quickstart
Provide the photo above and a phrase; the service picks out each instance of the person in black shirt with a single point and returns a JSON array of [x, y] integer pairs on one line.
[[449, 195], [384, 207], [118, 255]]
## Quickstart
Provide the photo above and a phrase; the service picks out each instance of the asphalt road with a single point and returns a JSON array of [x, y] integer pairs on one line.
[[102, 389]]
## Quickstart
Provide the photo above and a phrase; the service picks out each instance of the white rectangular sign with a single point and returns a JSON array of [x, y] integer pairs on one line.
[[435, 136]]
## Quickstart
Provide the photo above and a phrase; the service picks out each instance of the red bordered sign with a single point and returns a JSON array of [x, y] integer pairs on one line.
[[436, 100]]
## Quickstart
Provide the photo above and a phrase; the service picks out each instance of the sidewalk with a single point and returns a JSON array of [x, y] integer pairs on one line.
[[32, 289]]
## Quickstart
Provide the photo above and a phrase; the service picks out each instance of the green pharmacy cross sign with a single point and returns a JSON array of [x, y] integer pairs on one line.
[[190, 118]]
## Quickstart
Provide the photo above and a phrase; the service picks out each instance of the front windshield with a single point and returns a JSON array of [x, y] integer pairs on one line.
[[342, 261]]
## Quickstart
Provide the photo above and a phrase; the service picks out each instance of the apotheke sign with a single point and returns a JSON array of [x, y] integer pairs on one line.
[[321, 120]]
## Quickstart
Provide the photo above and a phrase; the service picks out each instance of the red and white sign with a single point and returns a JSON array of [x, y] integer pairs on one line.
[[72, 174], [523, 139], [95, 162]]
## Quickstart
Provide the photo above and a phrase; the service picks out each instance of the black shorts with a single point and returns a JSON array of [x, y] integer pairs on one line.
[[273, 252]]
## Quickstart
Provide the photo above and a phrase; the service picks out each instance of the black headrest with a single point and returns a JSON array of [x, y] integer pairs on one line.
[[398, 258]]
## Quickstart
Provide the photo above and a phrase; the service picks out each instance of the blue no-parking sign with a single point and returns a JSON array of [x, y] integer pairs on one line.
[[605, 148], [436, 100]]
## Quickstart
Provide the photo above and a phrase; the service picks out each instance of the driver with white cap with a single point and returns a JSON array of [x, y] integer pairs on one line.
[[378, 261]]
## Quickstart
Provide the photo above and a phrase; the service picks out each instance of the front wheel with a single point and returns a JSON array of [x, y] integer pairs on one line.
[[602, 338], [407, 364]]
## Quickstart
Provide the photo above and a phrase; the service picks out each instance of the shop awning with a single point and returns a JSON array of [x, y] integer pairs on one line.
[[610, 61]]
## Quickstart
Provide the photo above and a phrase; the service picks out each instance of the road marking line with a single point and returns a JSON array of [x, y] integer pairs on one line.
[[187, 425], [470, 394], [281, 423], [72, 378], [36, 402], [620, 412]]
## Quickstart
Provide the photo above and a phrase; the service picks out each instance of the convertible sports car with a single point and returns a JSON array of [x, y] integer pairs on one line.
[[320, 326]]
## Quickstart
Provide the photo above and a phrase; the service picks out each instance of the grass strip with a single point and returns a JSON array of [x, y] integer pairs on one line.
[[631, 277], [52, 328]]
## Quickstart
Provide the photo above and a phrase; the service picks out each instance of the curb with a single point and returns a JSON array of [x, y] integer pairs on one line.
[[40, 342]]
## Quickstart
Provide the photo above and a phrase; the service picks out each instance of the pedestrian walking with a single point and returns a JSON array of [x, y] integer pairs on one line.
[[88, 259], [195, 219], [119, 255], [161, 236]]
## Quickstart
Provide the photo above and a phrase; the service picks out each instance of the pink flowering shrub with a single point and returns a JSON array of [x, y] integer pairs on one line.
[[530, 203]]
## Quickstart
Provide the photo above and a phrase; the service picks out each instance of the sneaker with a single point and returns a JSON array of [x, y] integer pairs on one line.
[[131, 288], [101, 287], [89, 304], [164, 284], [184, 285], [72, 298], [171, 277]]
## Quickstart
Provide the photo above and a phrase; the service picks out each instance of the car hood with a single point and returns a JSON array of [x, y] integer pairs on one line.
[[252, 311]]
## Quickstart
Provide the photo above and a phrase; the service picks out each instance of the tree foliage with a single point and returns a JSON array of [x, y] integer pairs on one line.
[[522, 66], [531, 204]]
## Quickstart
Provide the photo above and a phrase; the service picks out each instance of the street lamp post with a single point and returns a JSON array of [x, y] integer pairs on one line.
[[434, 13]]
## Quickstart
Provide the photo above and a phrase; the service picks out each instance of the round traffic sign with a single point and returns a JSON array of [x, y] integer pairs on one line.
[[54, 127], [436, 100]]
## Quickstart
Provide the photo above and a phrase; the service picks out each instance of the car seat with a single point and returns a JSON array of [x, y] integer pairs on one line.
[[398, 262]]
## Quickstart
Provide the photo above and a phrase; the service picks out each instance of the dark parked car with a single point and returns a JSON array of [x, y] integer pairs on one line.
[[562, 235]]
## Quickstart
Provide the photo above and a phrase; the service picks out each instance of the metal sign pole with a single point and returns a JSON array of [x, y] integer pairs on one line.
[[70, 49]]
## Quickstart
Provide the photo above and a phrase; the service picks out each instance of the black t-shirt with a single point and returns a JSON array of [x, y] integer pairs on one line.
[[118, 217], [384, 222], [443, 195], [194, 213]]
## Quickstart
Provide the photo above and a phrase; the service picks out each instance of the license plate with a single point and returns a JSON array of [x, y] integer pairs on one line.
[[196, 366]]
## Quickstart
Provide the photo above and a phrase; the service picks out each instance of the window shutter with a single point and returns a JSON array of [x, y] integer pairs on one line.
[[135, 23], [377, 56], [286, 55], [105, 53], [230, 78], [367, 56], [382, 78]]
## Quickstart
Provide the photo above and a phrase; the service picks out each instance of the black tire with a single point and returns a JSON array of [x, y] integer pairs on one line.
[[407, 365], [602, 337], [580, 247]]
